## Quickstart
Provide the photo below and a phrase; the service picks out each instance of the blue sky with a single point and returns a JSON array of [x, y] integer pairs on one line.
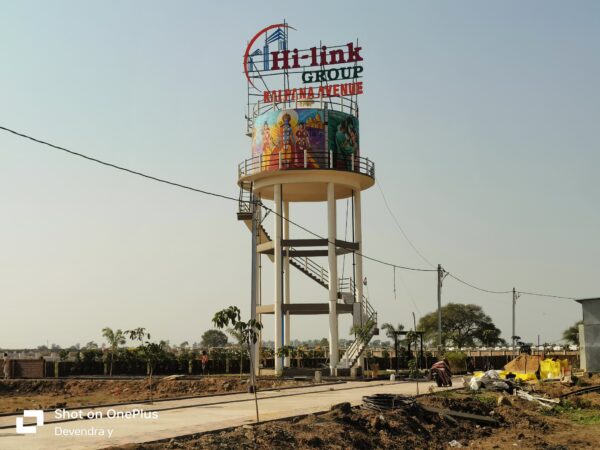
[[482, 119]]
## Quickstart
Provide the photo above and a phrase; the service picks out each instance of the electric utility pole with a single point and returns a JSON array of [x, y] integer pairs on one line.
[[516, 295], [440, 273]]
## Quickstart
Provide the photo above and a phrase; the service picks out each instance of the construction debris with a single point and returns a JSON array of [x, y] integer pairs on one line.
[[491, 380], [585, 390], [383, 402], [523, 364], [485, 420], [546, 402], [172, 377], [527, 367], [434, 422], [386, 402], [503, 400]]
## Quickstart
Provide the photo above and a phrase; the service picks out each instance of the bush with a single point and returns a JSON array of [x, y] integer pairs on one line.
[[457, 361]]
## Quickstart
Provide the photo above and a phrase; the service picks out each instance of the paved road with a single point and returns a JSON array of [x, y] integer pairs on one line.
[[180, 417]]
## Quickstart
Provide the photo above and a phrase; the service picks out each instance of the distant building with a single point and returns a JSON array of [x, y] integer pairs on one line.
[[589, 335]]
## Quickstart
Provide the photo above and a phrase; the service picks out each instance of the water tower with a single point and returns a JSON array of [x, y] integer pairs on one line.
[[304, 149]]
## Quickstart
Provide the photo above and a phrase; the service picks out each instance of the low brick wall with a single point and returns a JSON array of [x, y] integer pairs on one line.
[[25, 368]]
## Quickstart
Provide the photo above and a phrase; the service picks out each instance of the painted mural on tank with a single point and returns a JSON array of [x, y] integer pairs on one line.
[[285, 138], [342, 139], [289, 133]]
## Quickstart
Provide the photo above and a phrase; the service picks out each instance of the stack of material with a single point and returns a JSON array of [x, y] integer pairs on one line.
[[524, 364], [381, 402], [490, 380]]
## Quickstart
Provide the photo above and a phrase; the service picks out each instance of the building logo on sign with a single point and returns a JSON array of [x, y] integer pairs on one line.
[[267, 54]]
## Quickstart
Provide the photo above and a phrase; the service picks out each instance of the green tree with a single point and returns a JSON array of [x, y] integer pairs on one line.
[[214, 338], [249, 331], [571, 334], [91, 345], [151, 352], [185, 357], [289, 351], [462, 326], [114, 339]]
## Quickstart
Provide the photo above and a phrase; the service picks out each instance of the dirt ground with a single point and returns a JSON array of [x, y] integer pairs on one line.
[[575, 424], [16, 395]]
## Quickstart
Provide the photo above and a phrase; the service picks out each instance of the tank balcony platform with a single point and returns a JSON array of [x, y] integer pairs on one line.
[[305, 176]]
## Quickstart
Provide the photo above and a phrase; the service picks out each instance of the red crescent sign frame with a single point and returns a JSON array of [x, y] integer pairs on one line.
[[251, 43]]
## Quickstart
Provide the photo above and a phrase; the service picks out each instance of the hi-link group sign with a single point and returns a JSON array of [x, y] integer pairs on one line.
[[313, 65]]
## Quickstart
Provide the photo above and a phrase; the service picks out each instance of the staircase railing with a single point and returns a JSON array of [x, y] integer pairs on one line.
[[310, 267], [316, 271], [245, 198], [369, 321], [265, 232]]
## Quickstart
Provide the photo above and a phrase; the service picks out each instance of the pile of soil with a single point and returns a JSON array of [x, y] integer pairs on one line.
[[520, 424], [556, 389], [16, 395], [341, 428], [523, 364]]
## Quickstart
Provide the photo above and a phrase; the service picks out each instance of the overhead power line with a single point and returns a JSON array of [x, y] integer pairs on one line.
[[396, 221], [476, 287], [183, 186], [227, 197], [400, 226], [114, 166], [385, 263], [537, 294]]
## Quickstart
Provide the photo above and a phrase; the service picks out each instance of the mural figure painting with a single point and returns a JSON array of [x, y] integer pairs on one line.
[[314, 133]]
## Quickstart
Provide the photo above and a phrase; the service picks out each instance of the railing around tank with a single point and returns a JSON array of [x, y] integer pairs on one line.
[[306, 161]]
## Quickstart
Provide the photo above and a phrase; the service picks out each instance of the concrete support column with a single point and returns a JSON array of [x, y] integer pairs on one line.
[[254, 350], [358, 256], [359, 262], [259, 316], [333, 278], [286, 271], [259, 294], [278, 339]]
